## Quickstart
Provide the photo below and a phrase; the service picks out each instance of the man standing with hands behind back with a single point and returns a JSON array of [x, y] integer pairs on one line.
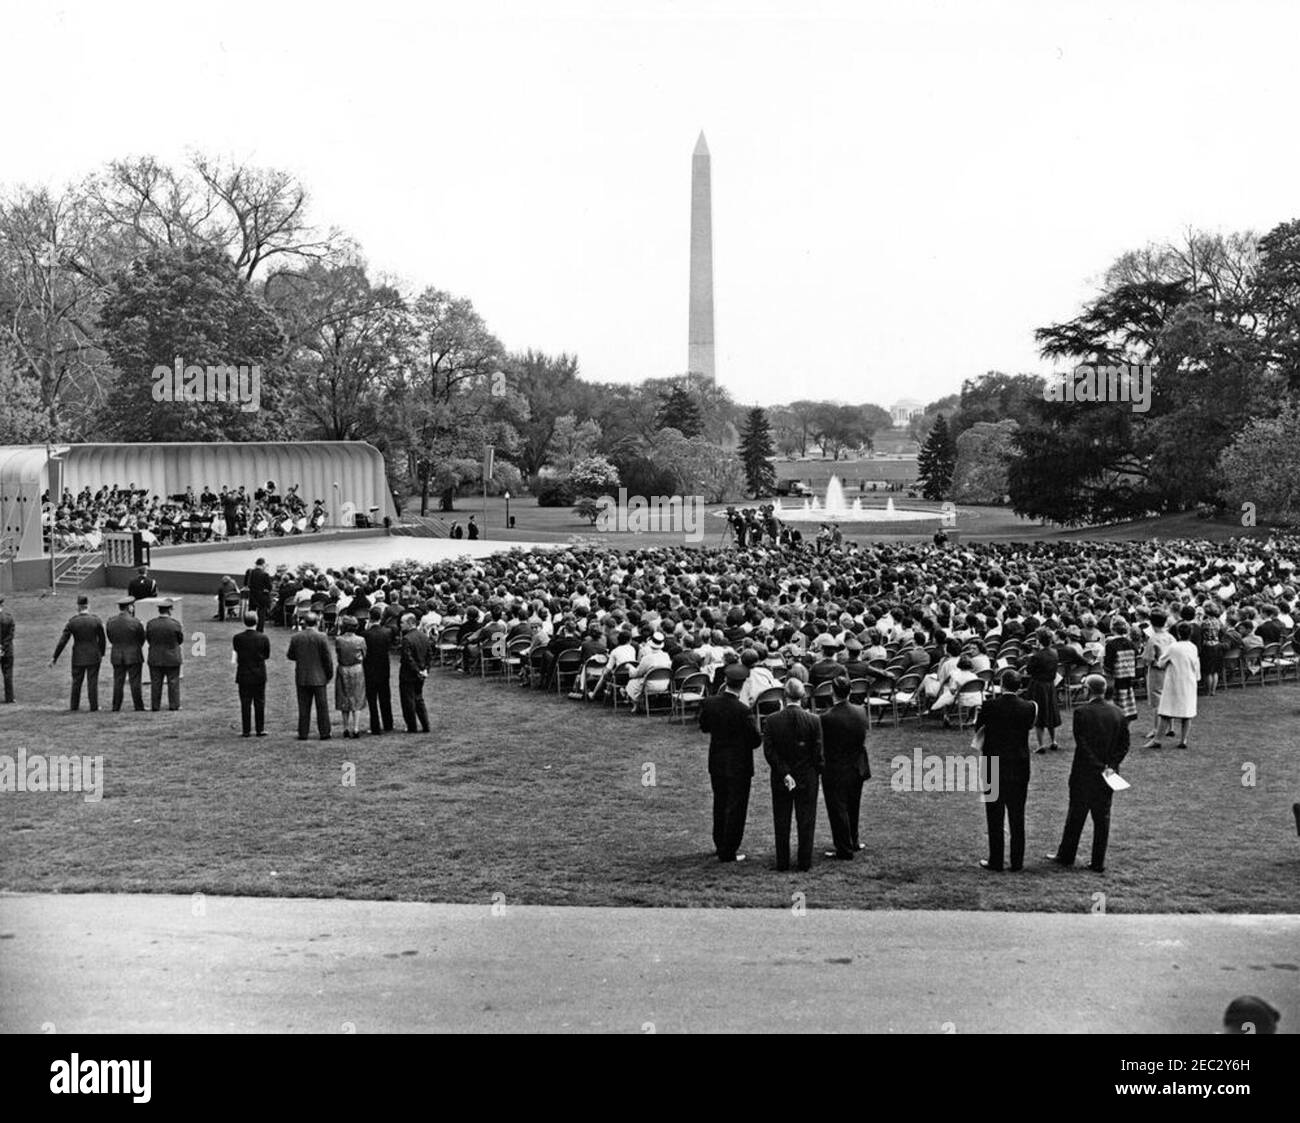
[[252, 650], [413, 670], [1006, 720], [844, 741], [1101, 742], [314, 669], [732, 741], [88, 646], [126, 634], [792, 743], [165, 636]]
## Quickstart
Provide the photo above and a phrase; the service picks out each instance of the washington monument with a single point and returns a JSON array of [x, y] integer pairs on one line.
[[700, 337]]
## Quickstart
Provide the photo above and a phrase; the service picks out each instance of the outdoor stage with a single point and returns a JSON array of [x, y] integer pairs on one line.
[[199, 569]]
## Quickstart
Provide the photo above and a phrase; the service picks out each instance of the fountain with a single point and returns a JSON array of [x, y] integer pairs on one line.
[[837, 509]]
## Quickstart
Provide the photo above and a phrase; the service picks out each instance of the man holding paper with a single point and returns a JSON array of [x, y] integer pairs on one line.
[[1101, 741]]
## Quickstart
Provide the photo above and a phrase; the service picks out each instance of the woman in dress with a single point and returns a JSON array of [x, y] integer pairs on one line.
[[1182, 669], [1121, 665], [350, 682], [1041, 670], [1211, 649]]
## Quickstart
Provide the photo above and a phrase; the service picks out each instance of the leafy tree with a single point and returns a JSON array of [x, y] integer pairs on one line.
[[756, 454], [839, 427], [995, 397], [23, 419], [191, 304], [1262, 468], [593, 476], [346, 340], [980, 472], [936, 462], [572, 441], [678, 411], [587, 508], [548, 384], [454, 397]]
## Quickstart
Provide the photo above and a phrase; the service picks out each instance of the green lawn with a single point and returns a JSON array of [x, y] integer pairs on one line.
[[542, 800]]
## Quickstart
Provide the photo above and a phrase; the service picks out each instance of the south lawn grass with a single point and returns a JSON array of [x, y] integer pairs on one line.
[[542, 800]]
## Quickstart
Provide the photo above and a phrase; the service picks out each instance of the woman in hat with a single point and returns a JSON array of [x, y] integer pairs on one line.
[[350, 682]]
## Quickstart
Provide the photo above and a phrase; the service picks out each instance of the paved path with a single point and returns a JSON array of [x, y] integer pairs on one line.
[[96, 963]]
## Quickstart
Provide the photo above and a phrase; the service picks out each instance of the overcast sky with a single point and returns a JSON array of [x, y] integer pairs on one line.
[[901, 193]]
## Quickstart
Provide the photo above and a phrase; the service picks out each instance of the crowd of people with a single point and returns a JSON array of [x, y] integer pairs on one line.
[[79, 522], [862, 627]]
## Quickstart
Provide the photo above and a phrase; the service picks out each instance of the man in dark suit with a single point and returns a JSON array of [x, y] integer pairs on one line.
[[142, 586], [792, 744], [127, 636], [412, 671], [314, 670], [7, 651], [165, 636], [89, 643], [1101, 743], [844, 743], [733, 737], [378, 668], [1006, 721], [260, 588], [252, 650]]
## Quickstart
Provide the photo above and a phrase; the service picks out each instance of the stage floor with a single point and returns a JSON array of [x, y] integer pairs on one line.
[[368, 553]]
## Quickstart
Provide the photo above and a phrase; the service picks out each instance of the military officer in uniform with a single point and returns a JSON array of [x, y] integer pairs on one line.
[[165, 637], [127, 636], [86, 631]]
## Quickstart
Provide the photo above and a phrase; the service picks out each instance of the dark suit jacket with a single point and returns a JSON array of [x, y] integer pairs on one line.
[[378, 662], [142, 588], [310, 650], [88, 640], [165, 636], [792, 742], [844, 740], [732, 735], [415, 655], [252, 650], [126, 634], [1006, 721], [1101, 740], [6, 633], [260, 587]]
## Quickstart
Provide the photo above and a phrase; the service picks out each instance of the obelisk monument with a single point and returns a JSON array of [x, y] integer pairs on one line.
[[700, 337]]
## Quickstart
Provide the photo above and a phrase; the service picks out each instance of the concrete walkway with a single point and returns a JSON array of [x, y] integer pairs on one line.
[[99, 963]]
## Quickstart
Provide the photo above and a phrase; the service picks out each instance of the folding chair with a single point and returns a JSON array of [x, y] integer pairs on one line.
[[822, 697], [492, 659], [567, 666], [859, 688], [516, 660], [657, 686], [449, 646], [1232, 667], [970, 697], [768, 703], [688, 691], [590, 674]]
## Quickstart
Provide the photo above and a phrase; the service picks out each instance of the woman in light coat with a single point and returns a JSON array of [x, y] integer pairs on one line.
[[1182, 674]]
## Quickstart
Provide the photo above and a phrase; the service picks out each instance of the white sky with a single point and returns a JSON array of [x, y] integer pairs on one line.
[[901, 193]]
